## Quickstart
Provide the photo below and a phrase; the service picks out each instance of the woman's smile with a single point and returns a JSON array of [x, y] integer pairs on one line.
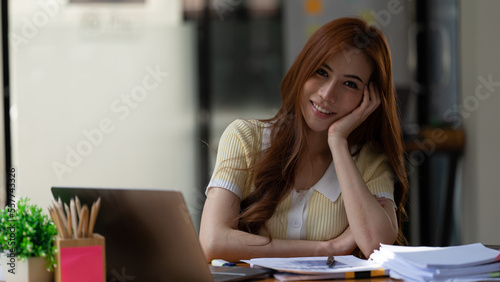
[[320, 112]]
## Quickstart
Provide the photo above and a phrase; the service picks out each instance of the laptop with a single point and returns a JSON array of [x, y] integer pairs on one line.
[[150, 237]]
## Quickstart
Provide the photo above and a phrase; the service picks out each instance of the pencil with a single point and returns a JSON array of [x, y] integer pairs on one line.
[[60, 211], [92, 219], [82, 225], [74, 218], [68, 219], [60, 227], [93, 215], [78, 205]]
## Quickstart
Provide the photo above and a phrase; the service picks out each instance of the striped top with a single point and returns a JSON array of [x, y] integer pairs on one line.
[[314, 214]]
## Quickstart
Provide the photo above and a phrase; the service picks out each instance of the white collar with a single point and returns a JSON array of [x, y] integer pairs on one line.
[[328, 185]]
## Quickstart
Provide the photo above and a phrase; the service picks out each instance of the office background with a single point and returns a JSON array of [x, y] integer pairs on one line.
[[135, 94]]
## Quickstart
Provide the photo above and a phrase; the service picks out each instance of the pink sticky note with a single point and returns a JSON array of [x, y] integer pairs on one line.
[[498, 257], [81, 264]]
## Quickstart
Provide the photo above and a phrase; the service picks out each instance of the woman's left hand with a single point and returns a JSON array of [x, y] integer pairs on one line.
[[340, 129]]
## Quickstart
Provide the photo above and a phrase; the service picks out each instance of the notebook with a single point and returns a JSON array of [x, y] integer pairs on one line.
[[150, 237]]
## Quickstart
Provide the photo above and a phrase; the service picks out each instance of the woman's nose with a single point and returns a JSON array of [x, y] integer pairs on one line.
[[327, 90]]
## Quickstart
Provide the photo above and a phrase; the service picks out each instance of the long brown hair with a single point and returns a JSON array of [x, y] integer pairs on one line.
[[274, 172]]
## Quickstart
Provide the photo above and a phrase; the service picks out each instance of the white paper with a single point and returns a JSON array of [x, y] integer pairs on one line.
[[458, 263], [444, 257], [315, 265]]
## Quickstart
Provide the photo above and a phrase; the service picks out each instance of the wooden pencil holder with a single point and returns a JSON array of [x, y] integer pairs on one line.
[[81, 259]]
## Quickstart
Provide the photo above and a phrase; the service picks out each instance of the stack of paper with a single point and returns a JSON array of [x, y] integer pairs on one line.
[[315, 268], [467, 262]]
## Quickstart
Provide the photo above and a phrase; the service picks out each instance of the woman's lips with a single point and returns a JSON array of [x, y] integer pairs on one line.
[[320, 112]]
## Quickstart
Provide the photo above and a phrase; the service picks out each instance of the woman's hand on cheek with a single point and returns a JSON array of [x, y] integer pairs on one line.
[[340, 129]]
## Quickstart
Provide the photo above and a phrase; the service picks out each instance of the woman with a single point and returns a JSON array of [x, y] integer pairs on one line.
[[326, 175]]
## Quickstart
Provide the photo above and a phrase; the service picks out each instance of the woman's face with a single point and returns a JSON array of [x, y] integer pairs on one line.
[[335, 89]]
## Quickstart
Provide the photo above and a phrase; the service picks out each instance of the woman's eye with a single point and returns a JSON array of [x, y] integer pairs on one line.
[[322, 72], [351, 84]]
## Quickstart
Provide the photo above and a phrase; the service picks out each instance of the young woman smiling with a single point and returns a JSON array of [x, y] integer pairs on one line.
[[325, 175]]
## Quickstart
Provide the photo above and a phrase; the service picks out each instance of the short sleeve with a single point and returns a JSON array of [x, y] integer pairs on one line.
[[238, 146], [376, 171]]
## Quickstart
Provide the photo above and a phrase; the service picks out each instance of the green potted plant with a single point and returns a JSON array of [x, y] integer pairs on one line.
[[27, 238]]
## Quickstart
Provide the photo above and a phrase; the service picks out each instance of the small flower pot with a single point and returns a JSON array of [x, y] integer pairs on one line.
[[27, 270]]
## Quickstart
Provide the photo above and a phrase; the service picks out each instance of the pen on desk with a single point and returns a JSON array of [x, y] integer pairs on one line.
[[221, 262], [330, 261]]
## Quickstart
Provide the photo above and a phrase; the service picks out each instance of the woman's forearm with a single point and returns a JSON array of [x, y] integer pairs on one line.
[[370, 222], [235, 245]]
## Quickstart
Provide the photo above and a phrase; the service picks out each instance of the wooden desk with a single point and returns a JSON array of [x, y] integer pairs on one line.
[[377, 279], [335, 280]]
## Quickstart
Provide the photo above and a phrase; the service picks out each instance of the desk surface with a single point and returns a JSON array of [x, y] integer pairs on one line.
[[335, 280], [271, 279]]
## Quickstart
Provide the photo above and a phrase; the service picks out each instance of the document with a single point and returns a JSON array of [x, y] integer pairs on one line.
[[468, 262], [315, 268], [443, 257], [315, 265]]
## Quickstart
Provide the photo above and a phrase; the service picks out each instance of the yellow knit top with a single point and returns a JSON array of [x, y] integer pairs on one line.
[[314, 214]]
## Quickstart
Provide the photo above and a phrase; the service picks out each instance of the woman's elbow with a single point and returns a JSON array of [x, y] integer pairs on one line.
[[209, 246], [215, 244], [374, 244]]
